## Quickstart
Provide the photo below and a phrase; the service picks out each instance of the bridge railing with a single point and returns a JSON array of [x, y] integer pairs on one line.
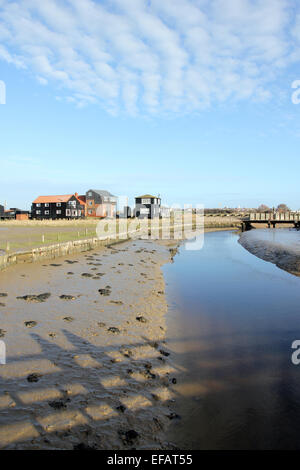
[[275, 216]]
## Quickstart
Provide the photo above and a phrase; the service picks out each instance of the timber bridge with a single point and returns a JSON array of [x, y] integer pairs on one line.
[[270, 219]]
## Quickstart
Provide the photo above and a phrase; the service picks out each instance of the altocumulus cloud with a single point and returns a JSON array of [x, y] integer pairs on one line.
[[152, 56]]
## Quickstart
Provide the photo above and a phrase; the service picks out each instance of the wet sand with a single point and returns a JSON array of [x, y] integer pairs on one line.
[[87, 364]]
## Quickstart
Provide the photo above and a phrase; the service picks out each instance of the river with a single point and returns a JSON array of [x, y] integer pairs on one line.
[[231, 322]]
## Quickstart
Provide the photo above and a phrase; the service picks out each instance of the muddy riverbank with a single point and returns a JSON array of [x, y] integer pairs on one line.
[[278, 246], [87, 364]]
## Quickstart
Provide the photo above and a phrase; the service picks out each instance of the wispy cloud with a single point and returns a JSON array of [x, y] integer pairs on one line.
[[152, 56]]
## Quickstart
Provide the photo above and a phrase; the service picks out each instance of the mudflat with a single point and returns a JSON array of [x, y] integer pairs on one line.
[[279, 246], [87, 363]]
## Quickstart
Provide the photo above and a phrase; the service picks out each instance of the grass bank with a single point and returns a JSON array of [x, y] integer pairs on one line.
[[19, 236]]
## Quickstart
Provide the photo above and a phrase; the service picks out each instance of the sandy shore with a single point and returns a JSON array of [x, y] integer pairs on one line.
[[87, 364], [284, 255]]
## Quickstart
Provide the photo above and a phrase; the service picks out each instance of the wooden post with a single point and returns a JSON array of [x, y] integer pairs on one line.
[[43, 238], [7, 246]]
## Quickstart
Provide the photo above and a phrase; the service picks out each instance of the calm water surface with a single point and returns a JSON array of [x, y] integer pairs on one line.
[[232, 320]]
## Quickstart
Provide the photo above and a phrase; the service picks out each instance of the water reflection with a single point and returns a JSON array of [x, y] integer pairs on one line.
[[239, 388]]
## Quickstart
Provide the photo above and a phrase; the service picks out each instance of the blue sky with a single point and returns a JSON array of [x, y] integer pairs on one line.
[[187, 98]]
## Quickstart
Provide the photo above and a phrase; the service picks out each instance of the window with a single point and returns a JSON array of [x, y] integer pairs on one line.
[[38, 212], [144, 210], [38, 205], [58, 212], [47, 212], [90, 203], [68, 212], [90, 211], [72, 203], [58, 204], [146, 201], [79, 213], [90, 194], [74, 213], [46, 204]]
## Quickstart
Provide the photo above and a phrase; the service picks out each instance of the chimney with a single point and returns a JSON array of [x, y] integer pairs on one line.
[[76, 194]]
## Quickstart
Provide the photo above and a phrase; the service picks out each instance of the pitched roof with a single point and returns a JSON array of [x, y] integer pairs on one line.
[[145, 196], [43, 199], [102, 192], [82, 199]]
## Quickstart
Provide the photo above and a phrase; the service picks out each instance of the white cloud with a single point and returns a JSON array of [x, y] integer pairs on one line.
[[152, 56], [11, 58]]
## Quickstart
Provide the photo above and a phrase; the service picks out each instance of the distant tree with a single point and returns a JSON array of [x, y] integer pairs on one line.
[[263, 208], [282, 208]]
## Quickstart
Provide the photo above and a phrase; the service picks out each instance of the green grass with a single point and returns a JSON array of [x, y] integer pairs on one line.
[[50, 238], [24, 239]]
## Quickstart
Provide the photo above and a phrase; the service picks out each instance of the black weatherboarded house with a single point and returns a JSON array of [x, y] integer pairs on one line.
[[1, 211], [100, 203], [67, 206], [147, 206]]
